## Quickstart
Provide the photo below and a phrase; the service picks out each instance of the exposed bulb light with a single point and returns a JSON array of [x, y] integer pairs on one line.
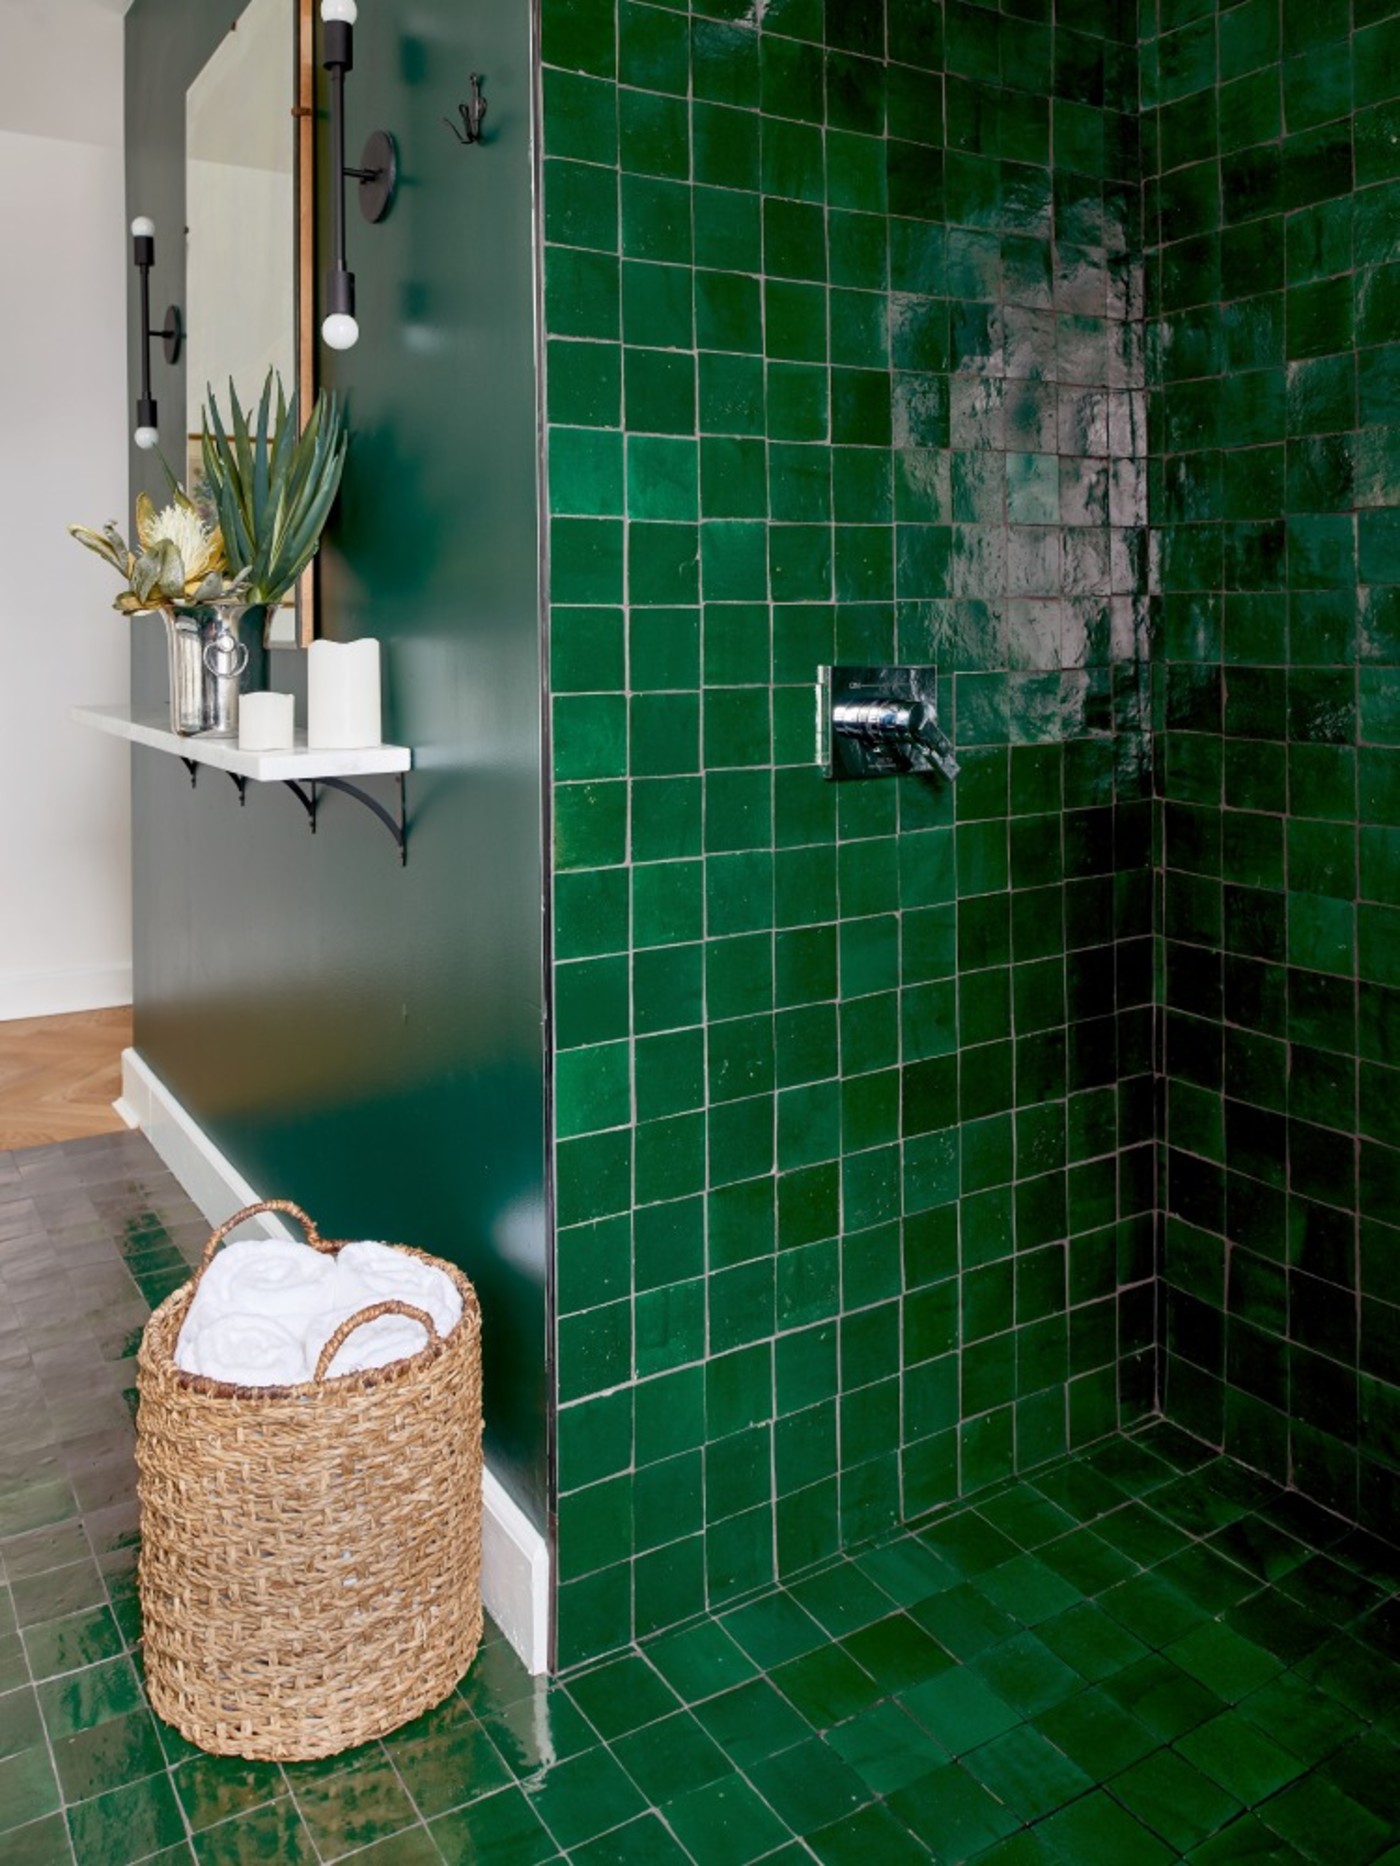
[[147, 438], [343, 10], [340, 331], [143, 228]]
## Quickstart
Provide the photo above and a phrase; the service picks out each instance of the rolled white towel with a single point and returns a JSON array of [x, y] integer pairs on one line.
[[387, 1338], [386, 1273], [266, 1276], [245, 1350]]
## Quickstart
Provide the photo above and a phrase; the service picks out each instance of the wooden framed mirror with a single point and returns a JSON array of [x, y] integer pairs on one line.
[[250, 233]]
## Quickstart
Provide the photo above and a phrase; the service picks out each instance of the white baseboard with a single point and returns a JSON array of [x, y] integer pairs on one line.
[[515, 1577], [55, 994]]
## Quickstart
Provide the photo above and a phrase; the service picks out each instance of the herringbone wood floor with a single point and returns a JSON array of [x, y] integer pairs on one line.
[[60, 1075]]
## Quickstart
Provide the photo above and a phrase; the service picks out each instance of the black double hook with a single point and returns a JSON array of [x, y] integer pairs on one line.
[[472, 113]]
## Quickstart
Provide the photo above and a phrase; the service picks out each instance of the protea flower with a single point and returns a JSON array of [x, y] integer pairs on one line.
[[181, 559]]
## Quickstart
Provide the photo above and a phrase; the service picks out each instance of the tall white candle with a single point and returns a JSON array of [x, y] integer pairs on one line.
[[342, 695], [265, 722]]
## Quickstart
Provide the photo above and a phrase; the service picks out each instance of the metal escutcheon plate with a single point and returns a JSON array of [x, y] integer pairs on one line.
[[381, 157]]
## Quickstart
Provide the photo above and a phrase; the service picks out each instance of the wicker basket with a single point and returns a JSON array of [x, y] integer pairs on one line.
[[310, 1555]]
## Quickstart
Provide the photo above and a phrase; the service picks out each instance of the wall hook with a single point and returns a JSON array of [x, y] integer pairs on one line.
[[472, 113]]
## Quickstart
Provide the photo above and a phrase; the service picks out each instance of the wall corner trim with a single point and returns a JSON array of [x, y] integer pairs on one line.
[[515, 1573]]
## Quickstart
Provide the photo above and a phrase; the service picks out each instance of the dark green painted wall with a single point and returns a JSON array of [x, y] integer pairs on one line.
[[855, 1148], [1274, 222], [365, 1039]]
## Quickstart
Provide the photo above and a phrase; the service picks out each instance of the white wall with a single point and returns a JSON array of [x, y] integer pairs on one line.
[[65, 892]]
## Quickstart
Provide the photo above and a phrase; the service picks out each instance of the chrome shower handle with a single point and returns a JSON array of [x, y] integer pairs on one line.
[[892, 728]]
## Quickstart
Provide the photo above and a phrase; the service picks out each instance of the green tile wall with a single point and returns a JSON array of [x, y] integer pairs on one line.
[[1274, 233], [853, 1092]]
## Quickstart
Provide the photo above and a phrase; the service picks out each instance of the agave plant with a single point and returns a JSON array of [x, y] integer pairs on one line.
[[179, 558], [272, 484]]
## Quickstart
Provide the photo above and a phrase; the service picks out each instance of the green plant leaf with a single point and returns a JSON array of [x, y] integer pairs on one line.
[[272, 484]]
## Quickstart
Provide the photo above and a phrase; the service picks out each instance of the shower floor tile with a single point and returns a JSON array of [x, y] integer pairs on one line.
[[1139, 1654]]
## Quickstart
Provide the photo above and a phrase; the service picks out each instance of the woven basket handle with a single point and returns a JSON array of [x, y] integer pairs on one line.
[[392, 1306], [308, 1225]]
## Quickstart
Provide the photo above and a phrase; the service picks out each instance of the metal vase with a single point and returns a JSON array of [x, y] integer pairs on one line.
[[216, 652], [184, 640]]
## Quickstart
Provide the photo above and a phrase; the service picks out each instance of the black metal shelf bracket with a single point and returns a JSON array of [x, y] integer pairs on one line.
[[310, 801], [397, 827]]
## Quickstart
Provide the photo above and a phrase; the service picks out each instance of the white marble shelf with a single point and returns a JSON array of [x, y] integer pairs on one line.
[[299, 764]]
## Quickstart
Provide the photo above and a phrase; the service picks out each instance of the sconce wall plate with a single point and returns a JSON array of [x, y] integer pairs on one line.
[[378, 175]]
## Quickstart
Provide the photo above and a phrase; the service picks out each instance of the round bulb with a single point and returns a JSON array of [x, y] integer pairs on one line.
[[340, 330], [345, 10], [143, 227], [147, 438]]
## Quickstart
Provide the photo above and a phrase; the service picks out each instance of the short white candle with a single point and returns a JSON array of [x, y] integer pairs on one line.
[[266, 721], [342, 695]]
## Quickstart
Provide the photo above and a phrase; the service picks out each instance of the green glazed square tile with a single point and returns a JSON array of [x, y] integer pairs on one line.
[[345, 1806], [1096, 1733], [1175, 1800], [1096, 1827], [216, 1788], [1246, 1762], [27, 1787], [586, 1796], [108, 1755], [752, 1722], [446, 1759], [41, 1843], [1224, 1662], [886, 1747], [808, 1787], [950, 1803], [724, 1823], [273, 1832], [1024, 1770], [127, 1824], [499, 1830], [1322, 1822], [868, 1833], [959, 1710], [640, 1840], [64, 1645]]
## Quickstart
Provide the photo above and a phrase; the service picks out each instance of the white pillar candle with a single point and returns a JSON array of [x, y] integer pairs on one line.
[[342, 695], [265, 722]]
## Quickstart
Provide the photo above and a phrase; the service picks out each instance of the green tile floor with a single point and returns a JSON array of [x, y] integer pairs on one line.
[[1142, 1653]]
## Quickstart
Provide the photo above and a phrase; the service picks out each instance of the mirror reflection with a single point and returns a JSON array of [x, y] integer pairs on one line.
[[242, 143]]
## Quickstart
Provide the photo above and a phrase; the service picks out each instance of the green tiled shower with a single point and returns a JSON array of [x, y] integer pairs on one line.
[[854, 1085], [911, 1135]]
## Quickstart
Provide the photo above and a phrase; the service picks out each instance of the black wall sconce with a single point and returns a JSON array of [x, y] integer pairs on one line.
[[378, 173], [143, 243]]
